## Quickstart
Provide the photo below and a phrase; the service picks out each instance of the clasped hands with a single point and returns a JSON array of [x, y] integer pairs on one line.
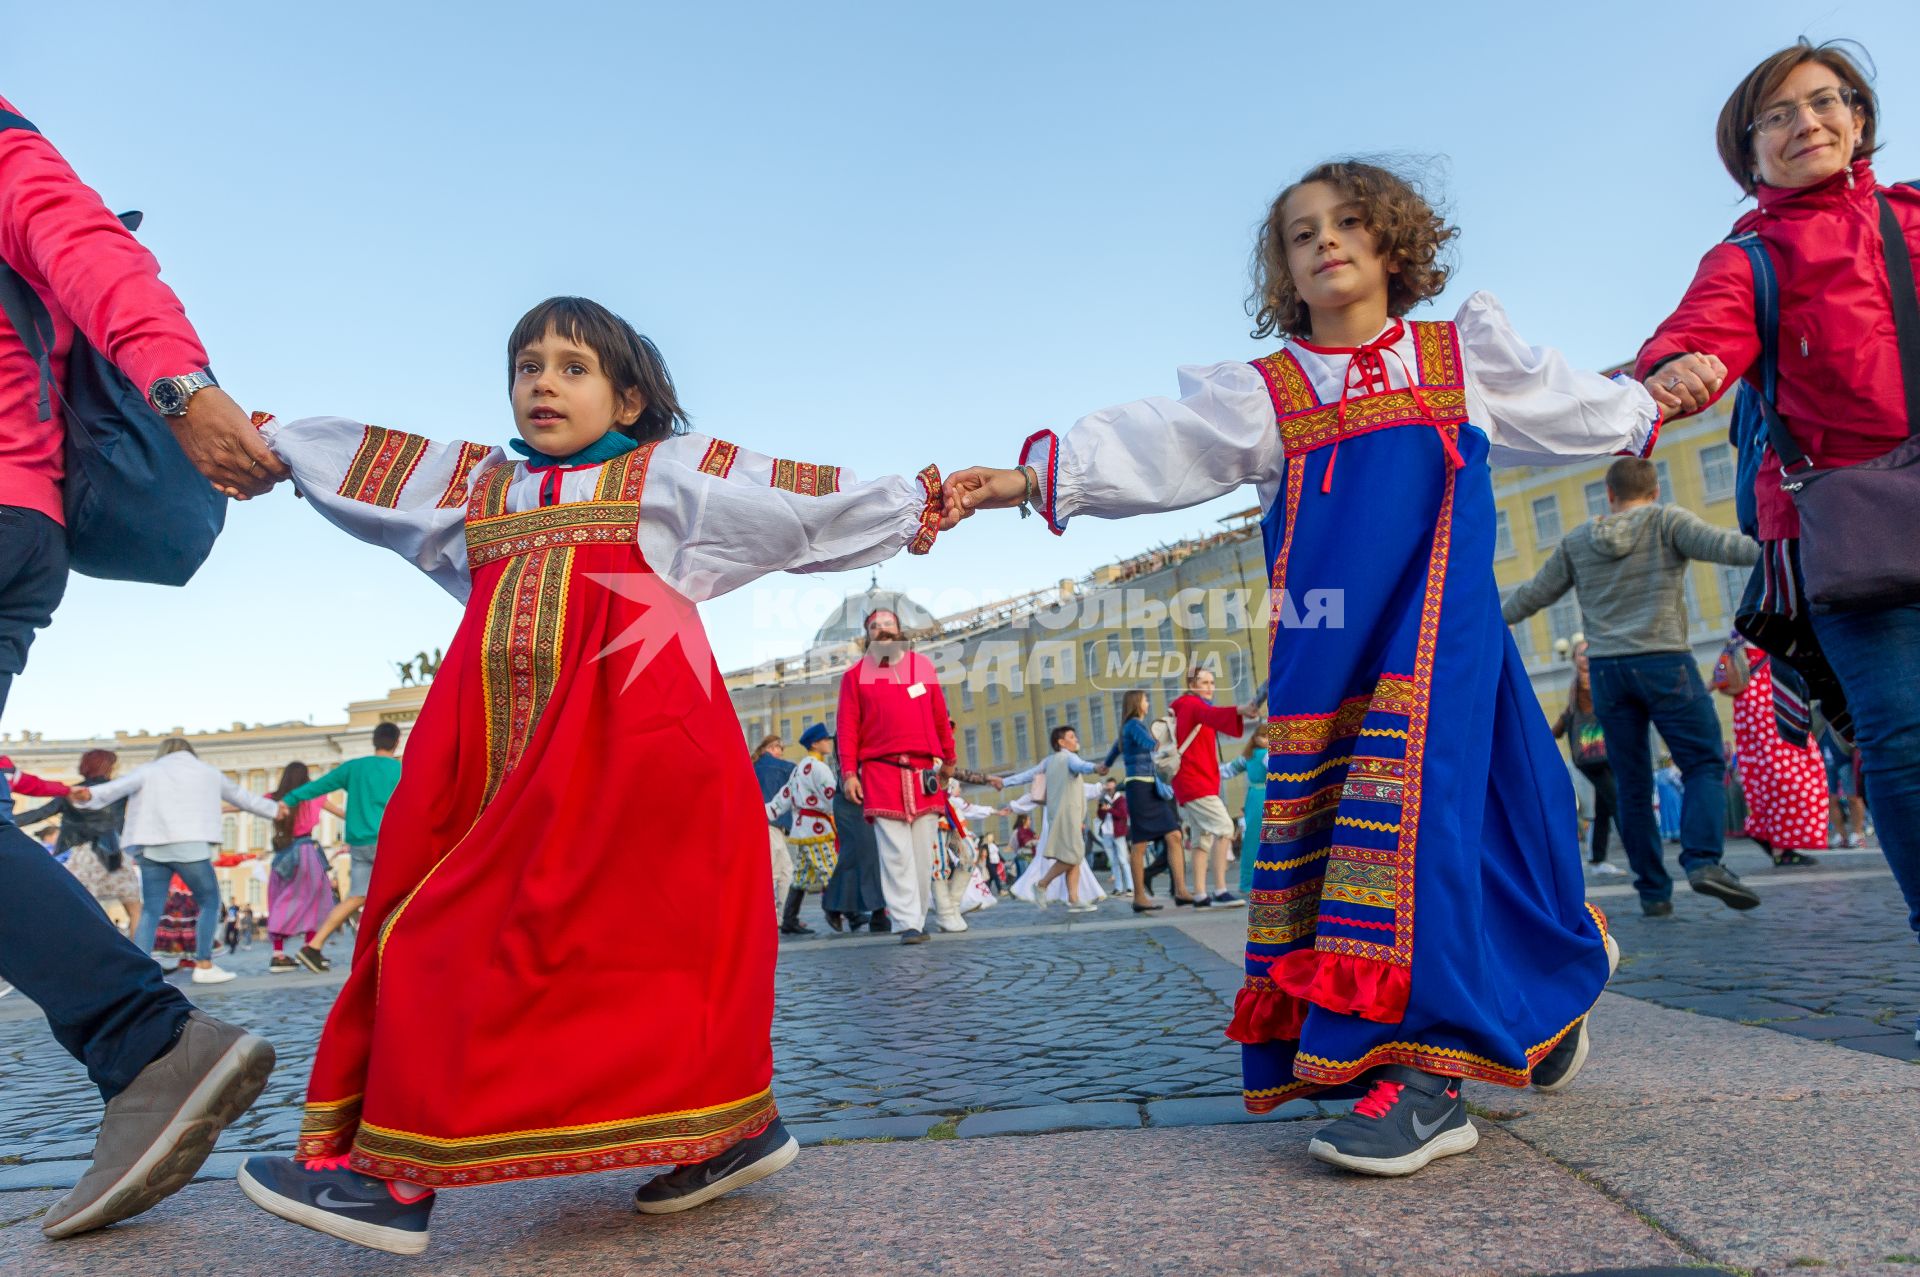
[[980, 488], [1687, 384], [220, 440]]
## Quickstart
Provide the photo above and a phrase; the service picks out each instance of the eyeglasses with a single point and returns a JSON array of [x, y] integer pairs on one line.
[[1825, 105]]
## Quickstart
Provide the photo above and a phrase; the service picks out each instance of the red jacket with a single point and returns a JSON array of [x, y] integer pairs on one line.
[[28, 785], [1199, 773], [89, 271], [1840, 392]]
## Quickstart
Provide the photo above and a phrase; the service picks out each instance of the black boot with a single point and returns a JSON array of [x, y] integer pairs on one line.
[[879, 923], [790, 923]]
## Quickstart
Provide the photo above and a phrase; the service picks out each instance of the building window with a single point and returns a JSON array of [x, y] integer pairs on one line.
[[1166, 635], [1020, 748], [966, 693], [786, 730], [1733, 587], [993, 692], [1089, 658], [1502, 536], [1119, 712], [1096, 721], [1666, 482], [997, 737], [1053, 718], [1693, 603], [1596, 498], [1562, 617], [1546, 520], [1237, 676], [1716, 471], [972, 735], [1139, 639]]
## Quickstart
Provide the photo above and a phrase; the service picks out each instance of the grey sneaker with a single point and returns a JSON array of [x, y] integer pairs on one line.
[[158, 1131], [1723, 885], [1657, 908], [697, 1183], [1406, 1119]]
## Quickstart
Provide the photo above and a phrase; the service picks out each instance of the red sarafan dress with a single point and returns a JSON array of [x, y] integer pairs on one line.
[[557, 970]]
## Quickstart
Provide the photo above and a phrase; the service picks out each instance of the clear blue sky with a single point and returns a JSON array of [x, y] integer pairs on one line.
[[878, 235]]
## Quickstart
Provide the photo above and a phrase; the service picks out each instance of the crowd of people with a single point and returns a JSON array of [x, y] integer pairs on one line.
[[1416, 916]]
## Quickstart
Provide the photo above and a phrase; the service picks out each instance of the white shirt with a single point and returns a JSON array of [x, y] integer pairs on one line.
[[175, 799], [1220, 434]]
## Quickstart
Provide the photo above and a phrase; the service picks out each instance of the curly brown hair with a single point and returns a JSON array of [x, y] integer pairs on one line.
[[1406, 226]]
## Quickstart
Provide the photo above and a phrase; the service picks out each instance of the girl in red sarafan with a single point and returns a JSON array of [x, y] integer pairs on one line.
[[505, 1017]]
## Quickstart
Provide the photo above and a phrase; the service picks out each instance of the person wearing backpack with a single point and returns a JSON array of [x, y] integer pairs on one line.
[[1587, 751], [172, 1077], [1812, 304]]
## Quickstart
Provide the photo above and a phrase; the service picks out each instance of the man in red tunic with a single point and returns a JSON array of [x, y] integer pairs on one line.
[[1196, 786], [893, 730]]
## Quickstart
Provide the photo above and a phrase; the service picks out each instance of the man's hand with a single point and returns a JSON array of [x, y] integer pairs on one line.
[[851, 788], [1687, 384], [983, 488], [223, 445], [999, 783], [946, 772], [285, 811]]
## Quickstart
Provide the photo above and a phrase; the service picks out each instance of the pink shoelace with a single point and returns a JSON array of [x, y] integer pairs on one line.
[[1381, 1098]]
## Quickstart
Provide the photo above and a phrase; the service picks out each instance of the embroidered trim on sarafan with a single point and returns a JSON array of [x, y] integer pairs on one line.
[[572, 524], [327, 1126], [805, 478], [1436, 346], [471, 454], [719, 458], [622, 478], [1305, 423], [381, 466], [488, 499], [520, 654], [682, 1137]]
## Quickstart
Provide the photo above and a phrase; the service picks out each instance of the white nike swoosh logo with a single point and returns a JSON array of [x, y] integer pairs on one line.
[[328, 1200], [1423, 1131]]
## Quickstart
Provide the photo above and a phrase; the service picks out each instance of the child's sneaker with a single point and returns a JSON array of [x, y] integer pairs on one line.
[[1569, 1055], [1406, 1119], [696, 1184], [313, 960], [328, 1198]]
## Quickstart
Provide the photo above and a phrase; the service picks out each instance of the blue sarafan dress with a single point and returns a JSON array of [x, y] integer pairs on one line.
[[1417, 897]]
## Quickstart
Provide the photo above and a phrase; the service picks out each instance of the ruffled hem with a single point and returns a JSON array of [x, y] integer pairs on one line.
[[1266, 1015], [1344, 984]]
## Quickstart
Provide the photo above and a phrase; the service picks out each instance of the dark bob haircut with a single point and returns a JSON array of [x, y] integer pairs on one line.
[[630, 361], [1732, 134]]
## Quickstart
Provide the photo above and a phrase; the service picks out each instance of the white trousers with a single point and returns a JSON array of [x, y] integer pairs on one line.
[[906, 869], [782, 869]]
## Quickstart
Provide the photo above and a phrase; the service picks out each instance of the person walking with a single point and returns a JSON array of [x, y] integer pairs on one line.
[[806, 800], [1629, 570], [854, 897], [1062, 843], [173, 817], [1151, 814], [1667, 795], [1799, 133], [1110, 832], [1784, 779], [369, 782], [897, 756], [91, 839], [1587, 751], [299, 888], [1197, 725], [171, 1077], [1252, 764]]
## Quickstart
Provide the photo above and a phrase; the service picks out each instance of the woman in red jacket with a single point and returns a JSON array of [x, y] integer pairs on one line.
[[1798, 134]]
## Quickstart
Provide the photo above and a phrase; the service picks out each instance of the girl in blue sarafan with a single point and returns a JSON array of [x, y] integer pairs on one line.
[[1417, 914]]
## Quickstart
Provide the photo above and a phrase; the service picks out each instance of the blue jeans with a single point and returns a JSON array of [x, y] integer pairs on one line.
[[1875, 654], [155, 879], [1662, 689]]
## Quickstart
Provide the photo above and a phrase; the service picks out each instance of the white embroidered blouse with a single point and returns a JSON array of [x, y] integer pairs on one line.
[[1165, 454], [713, 516]]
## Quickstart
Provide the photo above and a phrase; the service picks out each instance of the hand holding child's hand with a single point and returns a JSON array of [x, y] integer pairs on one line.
[[1687, 384], [80, 794], [983, 488]]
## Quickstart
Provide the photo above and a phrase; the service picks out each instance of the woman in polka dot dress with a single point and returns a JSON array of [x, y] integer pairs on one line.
[[1785, 784]]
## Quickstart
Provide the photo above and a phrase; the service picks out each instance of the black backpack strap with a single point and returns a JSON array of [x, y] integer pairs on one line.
[[1906, 306], [24, 310]]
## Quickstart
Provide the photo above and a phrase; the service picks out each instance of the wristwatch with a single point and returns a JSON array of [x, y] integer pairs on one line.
[[169, 395]]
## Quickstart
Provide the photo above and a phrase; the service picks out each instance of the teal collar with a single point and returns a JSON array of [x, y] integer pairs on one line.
[[605, 448]]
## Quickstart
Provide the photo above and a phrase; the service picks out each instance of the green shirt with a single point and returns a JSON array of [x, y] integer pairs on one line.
[[369, 783]]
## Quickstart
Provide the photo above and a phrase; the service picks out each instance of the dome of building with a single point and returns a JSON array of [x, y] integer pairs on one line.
[[845, 624]]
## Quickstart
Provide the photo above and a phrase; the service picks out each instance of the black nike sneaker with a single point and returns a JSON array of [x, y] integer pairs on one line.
[[697, 1183], [328, 1198], [1406, 1119]]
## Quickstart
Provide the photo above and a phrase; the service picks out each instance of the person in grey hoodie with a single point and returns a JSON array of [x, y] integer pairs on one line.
[[1629, 569]]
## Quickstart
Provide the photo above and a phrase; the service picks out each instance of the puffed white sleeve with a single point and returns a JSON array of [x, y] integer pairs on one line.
[[1538, 410], [715, 516], [403, 492], [1159, 453]]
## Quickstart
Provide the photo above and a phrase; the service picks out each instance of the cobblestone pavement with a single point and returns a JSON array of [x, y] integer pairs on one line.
[[1032, 1021]]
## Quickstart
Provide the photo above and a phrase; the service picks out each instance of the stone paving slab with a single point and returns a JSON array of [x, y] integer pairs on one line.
[[1222, 1201]]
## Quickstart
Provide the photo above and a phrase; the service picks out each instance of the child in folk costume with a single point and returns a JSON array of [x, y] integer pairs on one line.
[[1417, 912], [502, 1021], [808, 797]]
